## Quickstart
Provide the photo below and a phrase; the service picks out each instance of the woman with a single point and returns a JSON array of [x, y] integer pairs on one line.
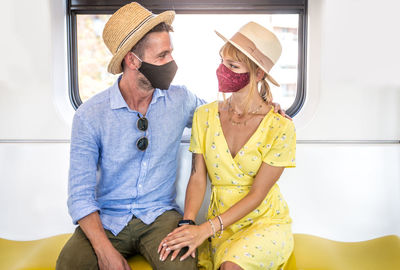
[[244, 147]]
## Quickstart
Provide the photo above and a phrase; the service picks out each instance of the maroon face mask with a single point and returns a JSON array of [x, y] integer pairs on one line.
[[229, 81]]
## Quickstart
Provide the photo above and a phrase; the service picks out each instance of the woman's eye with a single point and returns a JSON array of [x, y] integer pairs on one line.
[[233, 66]]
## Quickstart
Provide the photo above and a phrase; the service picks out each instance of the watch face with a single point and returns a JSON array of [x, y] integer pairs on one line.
[[186, 222]]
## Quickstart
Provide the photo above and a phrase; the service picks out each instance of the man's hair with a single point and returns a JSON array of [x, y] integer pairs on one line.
[[140, 46]]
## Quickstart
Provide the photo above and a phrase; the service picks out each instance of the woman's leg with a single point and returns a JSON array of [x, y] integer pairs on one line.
[[230, 266]]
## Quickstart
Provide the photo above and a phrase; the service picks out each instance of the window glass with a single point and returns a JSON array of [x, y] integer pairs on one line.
[[196, 51], [93, 56]]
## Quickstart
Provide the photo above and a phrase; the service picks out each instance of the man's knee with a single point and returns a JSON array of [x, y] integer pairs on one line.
[[149, 243], [77, 253], [168, 219], [188, 264]]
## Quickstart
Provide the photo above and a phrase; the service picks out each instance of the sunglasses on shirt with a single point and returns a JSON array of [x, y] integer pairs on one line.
[[142, 124]]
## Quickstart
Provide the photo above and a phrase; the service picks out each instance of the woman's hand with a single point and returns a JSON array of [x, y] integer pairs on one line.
[[190, 236], [278, 109]]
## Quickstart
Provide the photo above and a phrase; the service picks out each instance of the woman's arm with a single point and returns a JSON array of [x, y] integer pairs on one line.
[[265, 179], [195, 191], [193, 236], [196, 187]]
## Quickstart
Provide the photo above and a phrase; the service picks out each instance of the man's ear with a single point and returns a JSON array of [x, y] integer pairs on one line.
[[260, 74], [131, 61]]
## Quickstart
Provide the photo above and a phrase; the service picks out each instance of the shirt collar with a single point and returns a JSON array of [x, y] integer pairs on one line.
[[157, 94], [117, 101]]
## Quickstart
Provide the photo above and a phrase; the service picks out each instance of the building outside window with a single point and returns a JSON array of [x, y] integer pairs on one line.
[[196, 51]]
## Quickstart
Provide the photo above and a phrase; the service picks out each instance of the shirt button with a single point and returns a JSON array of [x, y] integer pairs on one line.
[[140, 185], [144, 163]]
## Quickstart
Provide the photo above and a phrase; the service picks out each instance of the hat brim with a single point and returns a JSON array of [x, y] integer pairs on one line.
[[267, 75], [115, 66]]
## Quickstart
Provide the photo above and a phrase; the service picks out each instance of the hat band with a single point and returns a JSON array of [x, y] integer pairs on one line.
[[251, 48], [134, 30]]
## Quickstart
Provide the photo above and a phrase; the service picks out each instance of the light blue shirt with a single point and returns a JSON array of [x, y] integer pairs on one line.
[[109, 174]]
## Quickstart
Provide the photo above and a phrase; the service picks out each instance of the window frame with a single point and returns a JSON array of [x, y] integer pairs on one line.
[[76, 7]]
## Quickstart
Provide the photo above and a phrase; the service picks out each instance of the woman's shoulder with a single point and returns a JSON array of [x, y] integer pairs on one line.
[[206, 108], [280, 123]]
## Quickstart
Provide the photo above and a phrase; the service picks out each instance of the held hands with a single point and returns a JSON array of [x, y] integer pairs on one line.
[[190, 236]]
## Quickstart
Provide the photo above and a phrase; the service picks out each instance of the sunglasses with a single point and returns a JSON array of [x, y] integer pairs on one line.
[[142, 124]]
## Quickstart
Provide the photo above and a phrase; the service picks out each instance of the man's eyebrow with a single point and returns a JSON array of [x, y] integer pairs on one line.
[[164, 52]]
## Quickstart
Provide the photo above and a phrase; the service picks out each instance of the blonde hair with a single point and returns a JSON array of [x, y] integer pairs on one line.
[[228, 50]]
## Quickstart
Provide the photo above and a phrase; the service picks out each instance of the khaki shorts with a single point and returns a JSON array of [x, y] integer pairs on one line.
[[135, 238]]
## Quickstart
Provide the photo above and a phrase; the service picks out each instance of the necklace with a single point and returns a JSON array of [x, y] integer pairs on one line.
[[241, 114], [236, 123]]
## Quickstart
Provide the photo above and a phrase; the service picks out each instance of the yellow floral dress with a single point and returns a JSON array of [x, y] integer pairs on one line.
[[263, 239]]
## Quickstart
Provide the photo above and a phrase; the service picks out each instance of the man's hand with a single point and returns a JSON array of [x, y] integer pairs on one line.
[[110, 259], [278, 109], [107, 256]]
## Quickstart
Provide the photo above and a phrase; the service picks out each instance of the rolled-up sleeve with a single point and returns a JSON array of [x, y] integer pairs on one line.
[[84, 155]]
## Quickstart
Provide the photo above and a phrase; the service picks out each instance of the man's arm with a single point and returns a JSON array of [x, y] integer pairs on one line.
[[278, 109], [191, 103], [84, 156], [82, 205], [108, 257]]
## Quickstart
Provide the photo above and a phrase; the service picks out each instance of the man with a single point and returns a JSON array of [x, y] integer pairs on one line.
[[124, 148]]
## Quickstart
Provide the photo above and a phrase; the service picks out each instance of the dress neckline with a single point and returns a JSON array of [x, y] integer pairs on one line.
[[251, 137]]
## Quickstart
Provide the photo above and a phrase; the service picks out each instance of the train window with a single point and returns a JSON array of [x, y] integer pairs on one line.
[[195, 44]]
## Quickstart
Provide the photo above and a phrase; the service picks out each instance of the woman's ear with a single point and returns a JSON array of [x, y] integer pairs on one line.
[[260, 74]]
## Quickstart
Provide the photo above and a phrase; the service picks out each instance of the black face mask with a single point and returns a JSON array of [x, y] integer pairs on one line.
[[159, 76]]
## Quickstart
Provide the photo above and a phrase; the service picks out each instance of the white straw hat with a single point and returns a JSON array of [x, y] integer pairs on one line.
[[126, 27], [259, 44]]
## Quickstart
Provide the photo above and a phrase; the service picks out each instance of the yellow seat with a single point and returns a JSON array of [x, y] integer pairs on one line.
[[310, 253], [42, 254], [316, 253]]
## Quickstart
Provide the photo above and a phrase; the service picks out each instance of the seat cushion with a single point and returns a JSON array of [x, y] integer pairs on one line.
[[315, 253], [42, 254], [310, 253]]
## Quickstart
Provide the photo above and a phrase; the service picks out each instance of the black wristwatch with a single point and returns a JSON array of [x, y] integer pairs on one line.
[[186, 222]]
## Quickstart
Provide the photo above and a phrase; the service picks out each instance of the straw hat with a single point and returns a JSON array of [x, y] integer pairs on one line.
[[259, 44], [126, 27]]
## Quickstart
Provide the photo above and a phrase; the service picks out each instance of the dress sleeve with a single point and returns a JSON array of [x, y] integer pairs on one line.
[[281, 152], [196, 143]]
